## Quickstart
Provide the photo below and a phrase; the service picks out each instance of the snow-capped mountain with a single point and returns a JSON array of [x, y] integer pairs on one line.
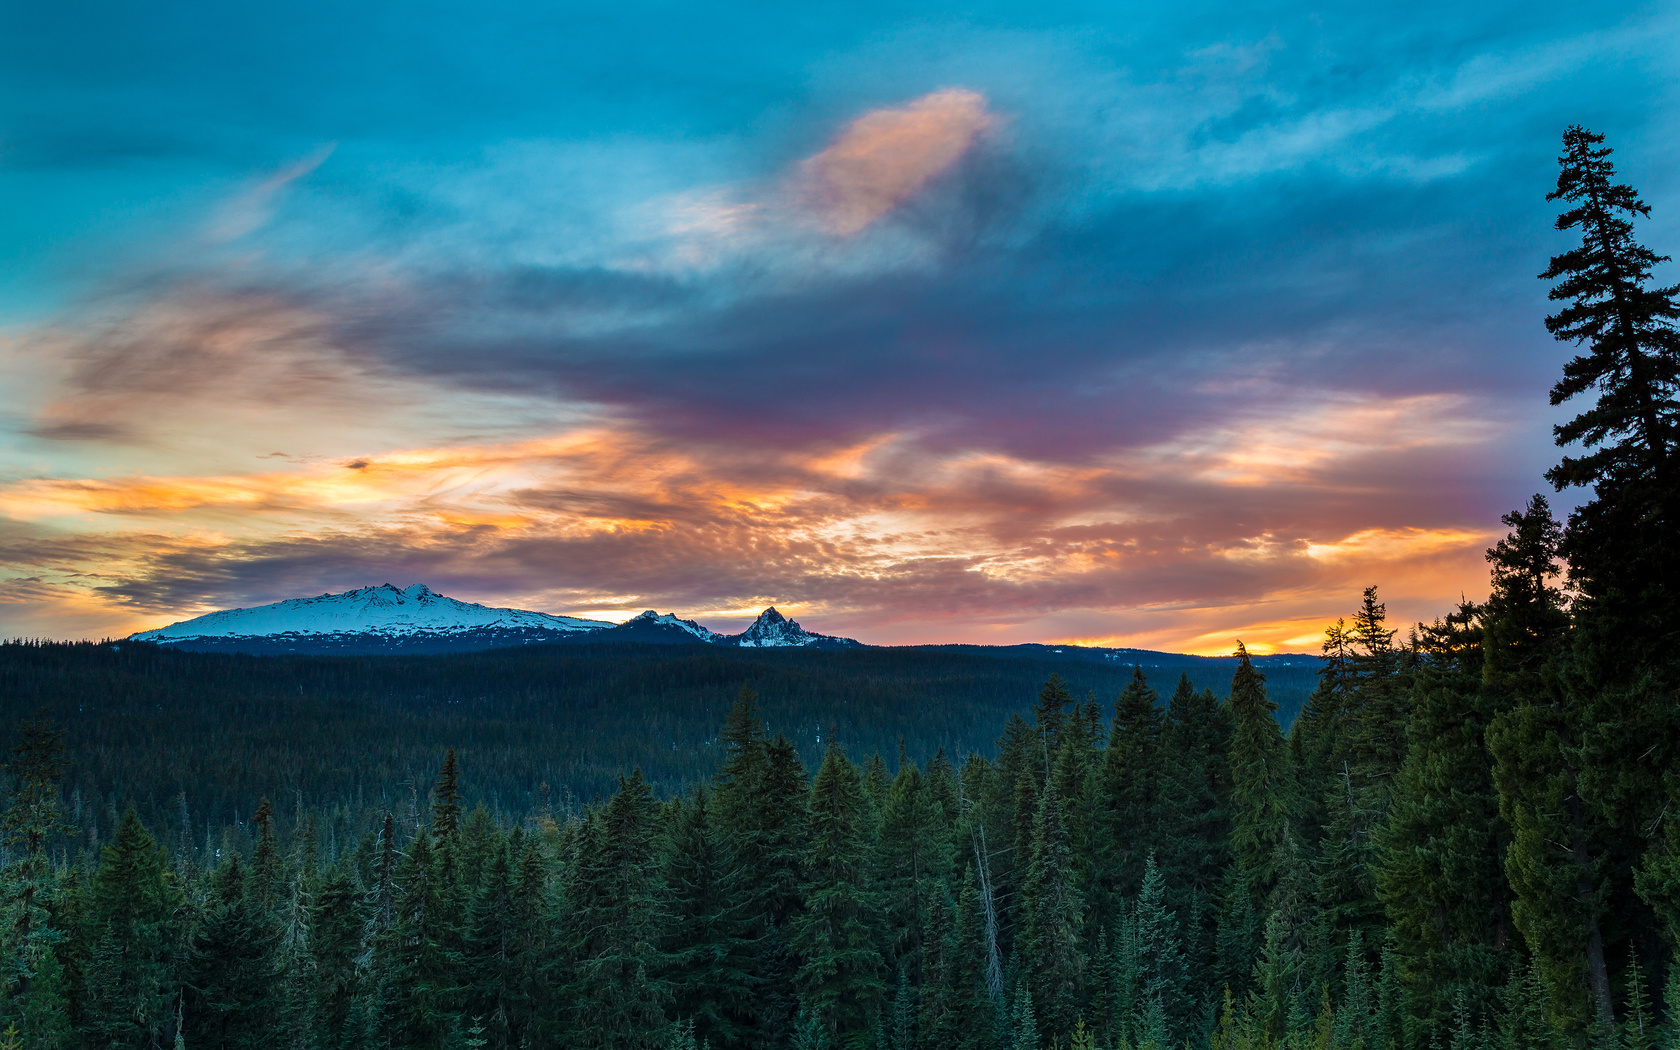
[[418, 619], [369, 619], [773, 630], [658, 628]]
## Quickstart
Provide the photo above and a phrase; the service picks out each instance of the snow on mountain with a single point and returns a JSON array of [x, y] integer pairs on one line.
[[381, 611], [665, 623], [773, 630]]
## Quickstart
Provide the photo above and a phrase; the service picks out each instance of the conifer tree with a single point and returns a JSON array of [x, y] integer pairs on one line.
[[769, 865], [710, 959], [1165, 984], [338, 920], [232, 967], [912, 854], [1049, 714], [1639, 1028], [839, 978], [1024, 1021], [970, 1015], [615, 997], [1132, 785], [416, 963], [1441, 873], [32, 819], [490, 987], [267, 872], [1621, 544], [446, 800], [1259, 776], [1051, 945], [1239, 933], [128, 992]]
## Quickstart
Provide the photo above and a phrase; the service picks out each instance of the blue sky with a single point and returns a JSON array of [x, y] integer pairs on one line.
[[1047, 322]]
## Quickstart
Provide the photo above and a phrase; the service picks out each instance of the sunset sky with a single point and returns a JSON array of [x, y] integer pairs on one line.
[[1140, 324]]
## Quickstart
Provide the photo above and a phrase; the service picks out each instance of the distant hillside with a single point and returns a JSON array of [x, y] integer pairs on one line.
[[148, 724]]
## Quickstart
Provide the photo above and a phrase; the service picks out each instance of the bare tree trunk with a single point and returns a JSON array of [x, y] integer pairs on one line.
[[994, 965]]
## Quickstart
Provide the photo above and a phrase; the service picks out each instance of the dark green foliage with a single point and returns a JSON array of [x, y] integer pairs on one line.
[[1051, 943], [615, 996], [232, 967], [1131, 786], [129, 976], [1260, 780], [1441, 876], [1621, 545], [708, 947], [840, 980]]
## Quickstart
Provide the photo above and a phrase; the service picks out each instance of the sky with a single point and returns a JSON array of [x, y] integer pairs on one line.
[[1160, 325]]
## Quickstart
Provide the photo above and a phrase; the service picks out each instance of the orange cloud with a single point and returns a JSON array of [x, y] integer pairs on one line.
[[885, 156]]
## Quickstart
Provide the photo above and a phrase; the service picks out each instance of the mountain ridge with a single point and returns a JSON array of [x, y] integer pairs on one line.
[[384, 619]]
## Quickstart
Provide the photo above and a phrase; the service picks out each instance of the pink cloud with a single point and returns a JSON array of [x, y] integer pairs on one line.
[[886, 155]]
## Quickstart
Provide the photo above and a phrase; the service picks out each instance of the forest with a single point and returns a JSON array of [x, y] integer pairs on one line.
[[1463, 842]]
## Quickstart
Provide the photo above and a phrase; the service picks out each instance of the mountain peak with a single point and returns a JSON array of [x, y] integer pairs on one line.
[[773, 630], [372, 612]]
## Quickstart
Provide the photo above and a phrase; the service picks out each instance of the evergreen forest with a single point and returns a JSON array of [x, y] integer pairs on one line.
[[1466, 840]]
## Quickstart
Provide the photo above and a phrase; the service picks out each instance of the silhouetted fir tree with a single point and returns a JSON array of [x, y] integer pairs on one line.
[[839, 979], [68, 908], [1260, 784], [742, 768], [129, 984], [1441, 874], [1283, 977], [1389, 1028], [876, 782], [1555, 864], [936, 1025], [615, 998], [232, 967], [709, 955], [1194, 810], [1621, 544], [1052, 938], [1029, 793], [1131, 786]]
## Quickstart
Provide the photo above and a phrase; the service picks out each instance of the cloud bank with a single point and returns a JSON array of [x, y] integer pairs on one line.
[[1162, 339]]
